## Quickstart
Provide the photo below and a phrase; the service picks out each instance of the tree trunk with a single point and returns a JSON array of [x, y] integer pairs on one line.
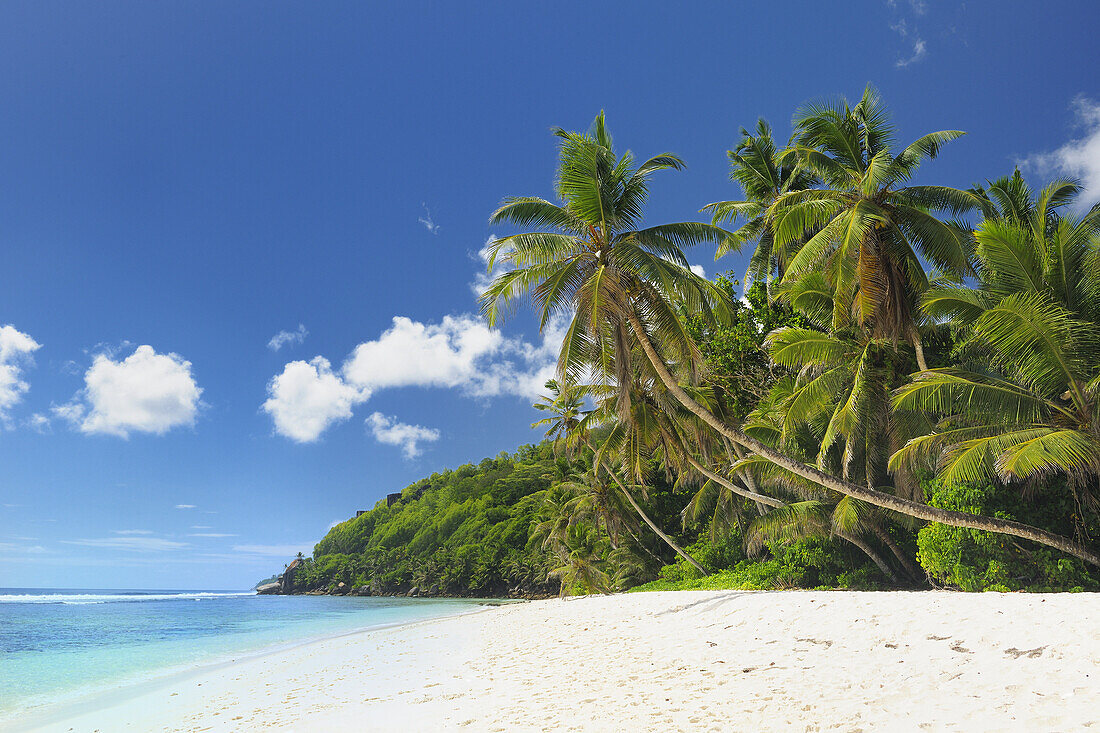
[[918, 347], [720, 480], [878, 498], [875, 557], [906, 562], [649, 522], [777, 504]]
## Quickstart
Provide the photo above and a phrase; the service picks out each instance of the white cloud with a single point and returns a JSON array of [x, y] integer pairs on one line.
[[146, 392], [136, 544], [427, 220], [390, 432], [1079, 158], [13, 548], [288, 338], [920, 50], [16, 349], [39, 423], [287, 551], [413, 353], [132, 531], [698, 270], [210, 534], [461, 352], [185, 506], [200, 526], [307, 398]]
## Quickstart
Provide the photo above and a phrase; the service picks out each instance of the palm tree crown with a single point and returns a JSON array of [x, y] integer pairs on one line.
[[763, 177], [1025, 401], [868, 229], [599, 263]]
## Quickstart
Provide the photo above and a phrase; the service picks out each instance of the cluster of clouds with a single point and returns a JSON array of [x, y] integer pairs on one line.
[[144, 391], [460, 352]]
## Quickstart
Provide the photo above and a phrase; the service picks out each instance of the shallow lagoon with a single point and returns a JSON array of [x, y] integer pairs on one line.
[[57, 646]]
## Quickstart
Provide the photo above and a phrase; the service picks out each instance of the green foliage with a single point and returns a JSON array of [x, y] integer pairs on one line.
[[972, 560], [460, 532], [517, 524], [845, 353], [808, 563], [738, 366]]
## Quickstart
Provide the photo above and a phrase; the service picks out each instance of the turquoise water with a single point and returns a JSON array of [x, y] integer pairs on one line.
[[59, 646]]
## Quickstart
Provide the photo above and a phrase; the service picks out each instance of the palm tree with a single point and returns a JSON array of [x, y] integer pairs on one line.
[[565, 403], [1026, 401], [814, 510], [763, 177], [871, 229], [600, 263], [623, 286], [566, 424], [580, 564]]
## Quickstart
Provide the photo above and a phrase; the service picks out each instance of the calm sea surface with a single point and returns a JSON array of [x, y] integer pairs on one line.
[[60, 646]]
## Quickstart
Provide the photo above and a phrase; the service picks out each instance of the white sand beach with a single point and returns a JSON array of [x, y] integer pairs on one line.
[[682, 661]]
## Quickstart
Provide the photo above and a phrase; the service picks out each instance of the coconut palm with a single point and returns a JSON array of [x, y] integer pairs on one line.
[[871, 229], [756, 166], [570, 425], [600, 262], [841, 390], [580, 563], [813, 510], [624, 286], [1025, 403], [663, 429], [566, 407]]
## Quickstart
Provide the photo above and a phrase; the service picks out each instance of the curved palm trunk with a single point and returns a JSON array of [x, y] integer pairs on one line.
[[776, 503], [721, 481], [649, 522], [906, 562], [879, 499], [918, 347], [869, 552]]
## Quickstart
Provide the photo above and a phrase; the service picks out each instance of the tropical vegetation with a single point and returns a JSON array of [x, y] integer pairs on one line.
[[905, 391]]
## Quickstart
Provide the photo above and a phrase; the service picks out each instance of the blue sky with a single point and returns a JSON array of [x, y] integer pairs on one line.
[[182, 182]]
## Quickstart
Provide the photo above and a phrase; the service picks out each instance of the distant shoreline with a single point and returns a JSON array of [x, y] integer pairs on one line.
[[663, 660]]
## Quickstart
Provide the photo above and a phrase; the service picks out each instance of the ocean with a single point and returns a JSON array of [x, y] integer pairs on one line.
[[63, 647]]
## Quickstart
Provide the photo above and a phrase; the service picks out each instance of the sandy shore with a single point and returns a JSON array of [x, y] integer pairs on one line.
[[691, 661]]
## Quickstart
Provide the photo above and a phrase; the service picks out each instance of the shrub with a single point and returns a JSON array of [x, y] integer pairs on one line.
[[973, 560]]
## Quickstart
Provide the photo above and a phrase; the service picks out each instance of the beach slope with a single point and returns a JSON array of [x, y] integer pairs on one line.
[[692, 661]]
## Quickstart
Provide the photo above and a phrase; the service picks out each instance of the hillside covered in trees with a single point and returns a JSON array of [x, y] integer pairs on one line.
[[479, 530]]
